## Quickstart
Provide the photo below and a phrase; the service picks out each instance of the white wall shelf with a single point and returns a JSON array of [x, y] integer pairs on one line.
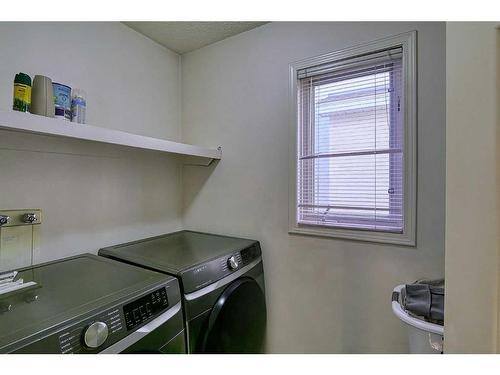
[[29, 123]]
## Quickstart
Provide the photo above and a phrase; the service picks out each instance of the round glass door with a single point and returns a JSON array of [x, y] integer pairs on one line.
[[237, 323]]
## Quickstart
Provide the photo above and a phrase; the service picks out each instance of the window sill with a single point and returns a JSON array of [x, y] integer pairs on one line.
[[403, 239]]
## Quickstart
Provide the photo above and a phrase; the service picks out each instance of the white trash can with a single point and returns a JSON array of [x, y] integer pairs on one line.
[[423, 337]]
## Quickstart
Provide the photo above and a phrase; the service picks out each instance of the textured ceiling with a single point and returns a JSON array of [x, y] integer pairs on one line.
[[183, 37]]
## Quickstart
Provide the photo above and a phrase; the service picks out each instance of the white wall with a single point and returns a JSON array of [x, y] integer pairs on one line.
[[472, 170], [324, 295], [93, 195]]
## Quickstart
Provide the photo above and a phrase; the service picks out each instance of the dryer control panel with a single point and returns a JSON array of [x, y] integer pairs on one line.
[[249, 254], [209, 272]]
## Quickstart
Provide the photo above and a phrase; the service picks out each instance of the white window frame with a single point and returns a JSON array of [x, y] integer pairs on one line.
[[408, 41]]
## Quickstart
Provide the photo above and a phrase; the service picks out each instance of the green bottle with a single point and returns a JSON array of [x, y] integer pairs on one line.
[[22, 93]]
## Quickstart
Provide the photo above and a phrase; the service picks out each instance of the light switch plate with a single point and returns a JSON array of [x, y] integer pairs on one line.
[[19, 239]]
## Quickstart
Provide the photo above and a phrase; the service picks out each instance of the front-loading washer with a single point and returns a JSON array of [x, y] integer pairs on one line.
[[88, 304], [222, 282]]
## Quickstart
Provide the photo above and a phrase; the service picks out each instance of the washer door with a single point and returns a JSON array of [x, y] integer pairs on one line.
[[237, 323]]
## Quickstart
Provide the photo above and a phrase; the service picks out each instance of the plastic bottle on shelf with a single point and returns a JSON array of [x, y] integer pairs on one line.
[[22, 93], [78, 106]]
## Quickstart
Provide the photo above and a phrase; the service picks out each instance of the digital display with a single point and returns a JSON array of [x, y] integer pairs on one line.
[[248, 254], [142, 309]]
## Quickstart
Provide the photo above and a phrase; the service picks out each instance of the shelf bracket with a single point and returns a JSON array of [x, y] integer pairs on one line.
[[197, 161], [200, 161]]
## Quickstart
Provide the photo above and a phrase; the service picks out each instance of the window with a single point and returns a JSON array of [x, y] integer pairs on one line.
[[354, 136]]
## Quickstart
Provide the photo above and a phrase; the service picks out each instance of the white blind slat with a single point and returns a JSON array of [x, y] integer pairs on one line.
[[352, 65]]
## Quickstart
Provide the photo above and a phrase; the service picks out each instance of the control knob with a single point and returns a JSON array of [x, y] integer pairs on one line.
[[30, 218], [95, 334], [232, 263], [4, 219]]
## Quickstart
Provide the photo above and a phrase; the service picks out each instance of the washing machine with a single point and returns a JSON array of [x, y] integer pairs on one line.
[[222, 283], [89, 304]]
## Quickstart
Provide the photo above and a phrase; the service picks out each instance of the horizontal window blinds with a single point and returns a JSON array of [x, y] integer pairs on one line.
[[351, 148]]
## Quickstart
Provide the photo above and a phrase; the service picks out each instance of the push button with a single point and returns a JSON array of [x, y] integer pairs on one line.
[[136, 314]]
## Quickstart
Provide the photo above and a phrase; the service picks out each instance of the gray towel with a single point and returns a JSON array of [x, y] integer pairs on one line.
[[425, 298]]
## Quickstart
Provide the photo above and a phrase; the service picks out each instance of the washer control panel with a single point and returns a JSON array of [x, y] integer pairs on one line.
[[90, 334], [97, 328], [140, 310], [104, 329]]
